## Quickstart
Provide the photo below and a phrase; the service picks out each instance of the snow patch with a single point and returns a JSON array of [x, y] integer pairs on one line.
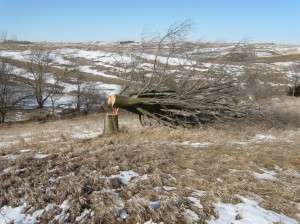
[[85, 135], [151, 222], [25, 150], [169, 188], [266, 175], [297, 175], [261, 137], [88, 69], [196, 192], [263, 176], [169, 60], [123, 214], [97, 56], [40, 156], [17, 55], [10, 157], [53, 179], [83, 215], [5, 171], [126, 176], [22, 56], [16, 215], [196, 144], [7, 144], [285, 64], [264, 54], [191, 216], [154, 204], [195, 202], [64, 212], [257, 138], [144, 177], [220, 180], [248, 212]]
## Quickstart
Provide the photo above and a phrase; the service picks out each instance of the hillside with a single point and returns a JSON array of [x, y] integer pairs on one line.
[[107, 64], [66, 171]]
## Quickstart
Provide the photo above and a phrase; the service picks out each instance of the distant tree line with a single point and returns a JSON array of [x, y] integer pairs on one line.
[[5, 38]]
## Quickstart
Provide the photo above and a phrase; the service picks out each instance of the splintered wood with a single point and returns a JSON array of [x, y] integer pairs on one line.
[[111, 101], [111, 125]]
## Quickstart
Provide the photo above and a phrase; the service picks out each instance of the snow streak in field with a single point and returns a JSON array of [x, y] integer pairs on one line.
[[248, 212]]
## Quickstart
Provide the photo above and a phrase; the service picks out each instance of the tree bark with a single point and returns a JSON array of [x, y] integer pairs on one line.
[[2, 118], [111, 125]]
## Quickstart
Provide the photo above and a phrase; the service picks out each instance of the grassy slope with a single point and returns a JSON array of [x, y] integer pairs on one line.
[[222, 167]]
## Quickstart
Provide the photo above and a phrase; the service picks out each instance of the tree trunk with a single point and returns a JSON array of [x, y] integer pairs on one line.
[[53, 108], [40, 105], [2, 118], [111, 125]]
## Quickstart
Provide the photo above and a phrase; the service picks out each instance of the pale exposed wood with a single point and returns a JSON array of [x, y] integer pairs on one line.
[[111, 100]]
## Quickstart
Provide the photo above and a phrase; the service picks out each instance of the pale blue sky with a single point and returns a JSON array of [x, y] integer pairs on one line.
[[113, 20]]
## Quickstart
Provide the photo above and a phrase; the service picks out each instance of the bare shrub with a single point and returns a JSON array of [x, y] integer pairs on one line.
[[12, 90]]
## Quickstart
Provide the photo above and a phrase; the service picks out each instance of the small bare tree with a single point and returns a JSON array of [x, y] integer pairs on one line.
[[3, 36], [294, 90], [77, 81], [56, 95], [44, 80], [58, 90], [88, 97], [12, 91], [92, 97]]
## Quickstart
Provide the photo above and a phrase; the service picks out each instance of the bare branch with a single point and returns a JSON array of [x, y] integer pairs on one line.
[[179, 88]]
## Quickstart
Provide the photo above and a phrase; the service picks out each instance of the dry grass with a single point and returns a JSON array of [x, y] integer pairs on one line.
[[281, 58], [80, 169]]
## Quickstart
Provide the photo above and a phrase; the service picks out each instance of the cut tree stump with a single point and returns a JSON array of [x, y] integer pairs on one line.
[[111, 125]]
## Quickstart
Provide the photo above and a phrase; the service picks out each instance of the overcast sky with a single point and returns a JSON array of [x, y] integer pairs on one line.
[[274, 21]]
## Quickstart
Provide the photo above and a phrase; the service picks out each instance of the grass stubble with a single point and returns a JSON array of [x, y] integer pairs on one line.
[[84, 171]]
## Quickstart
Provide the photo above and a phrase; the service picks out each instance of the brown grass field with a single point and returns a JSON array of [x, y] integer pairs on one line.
[[213, 163]]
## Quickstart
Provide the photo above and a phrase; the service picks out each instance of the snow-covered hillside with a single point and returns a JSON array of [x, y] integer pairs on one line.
[[110, 62]]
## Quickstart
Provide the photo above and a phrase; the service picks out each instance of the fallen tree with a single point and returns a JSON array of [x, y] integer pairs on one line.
[[174, 109], [181, 89]]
